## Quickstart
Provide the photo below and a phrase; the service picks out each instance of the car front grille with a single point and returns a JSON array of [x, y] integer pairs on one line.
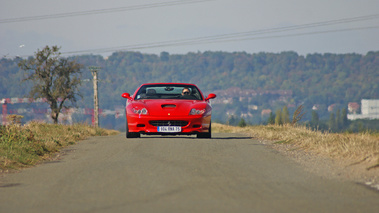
[[169, 123]]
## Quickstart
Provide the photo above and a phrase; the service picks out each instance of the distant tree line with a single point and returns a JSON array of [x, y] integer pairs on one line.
[[282, 116], [337, 121], [321, 79]]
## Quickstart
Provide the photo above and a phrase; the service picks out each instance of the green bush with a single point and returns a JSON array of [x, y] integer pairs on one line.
[[242, 123]]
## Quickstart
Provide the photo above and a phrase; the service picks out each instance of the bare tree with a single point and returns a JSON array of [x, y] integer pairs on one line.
[[55, 78]]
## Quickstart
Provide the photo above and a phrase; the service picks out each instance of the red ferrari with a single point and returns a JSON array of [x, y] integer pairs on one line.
[[168, 109]]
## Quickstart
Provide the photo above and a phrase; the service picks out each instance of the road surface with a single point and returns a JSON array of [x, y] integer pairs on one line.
[[228, 173]]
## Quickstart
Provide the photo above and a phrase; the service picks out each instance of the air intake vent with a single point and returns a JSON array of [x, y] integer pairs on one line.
[[168, 106], [169, 123]]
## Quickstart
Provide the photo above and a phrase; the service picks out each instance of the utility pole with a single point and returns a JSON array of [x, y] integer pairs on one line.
[[5, 110], [94, 71]]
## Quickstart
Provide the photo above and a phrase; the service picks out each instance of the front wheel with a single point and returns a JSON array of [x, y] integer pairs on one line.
[[131, 134], [206, 134]]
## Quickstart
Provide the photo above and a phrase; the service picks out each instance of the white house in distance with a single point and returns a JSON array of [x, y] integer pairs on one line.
[[369, 108]]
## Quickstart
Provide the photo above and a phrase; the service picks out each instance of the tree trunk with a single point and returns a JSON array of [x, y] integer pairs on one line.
[[54, 116]]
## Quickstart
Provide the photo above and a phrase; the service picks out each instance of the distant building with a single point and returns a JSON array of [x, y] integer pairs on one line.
[[370, 110], [266, 112], [331, 107], [231, 112], [370, 107], [353, 107], [252, 107], [226, 96]]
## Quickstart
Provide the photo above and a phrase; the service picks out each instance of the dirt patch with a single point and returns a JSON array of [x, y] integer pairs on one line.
[[356, 170]]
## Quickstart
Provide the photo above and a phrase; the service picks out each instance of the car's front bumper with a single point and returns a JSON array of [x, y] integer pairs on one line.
[[191, 124]]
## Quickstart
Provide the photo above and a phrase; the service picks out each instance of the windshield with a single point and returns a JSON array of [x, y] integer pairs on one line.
[[171, 91]]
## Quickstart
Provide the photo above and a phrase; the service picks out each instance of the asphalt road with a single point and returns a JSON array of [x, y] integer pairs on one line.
[[228, 173]]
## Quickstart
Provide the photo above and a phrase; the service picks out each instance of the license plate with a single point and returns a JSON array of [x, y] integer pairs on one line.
[[169, 129]]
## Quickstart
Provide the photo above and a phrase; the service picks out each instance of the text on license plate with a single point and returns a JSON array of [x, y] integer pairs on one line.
[[169, 129]]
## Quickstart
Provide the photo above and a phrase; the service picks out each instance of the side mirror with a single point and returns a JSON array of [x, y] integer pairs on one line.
[[210, 96], [126, 95]]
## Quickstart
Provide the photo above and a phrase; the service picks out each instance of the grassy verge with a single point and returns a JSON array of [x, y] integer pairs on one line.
[[23, 146], [356, 147]]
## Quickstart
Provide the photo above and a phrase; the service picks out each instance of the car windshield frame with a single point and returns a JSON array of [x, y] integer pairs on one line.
[[168, 91]]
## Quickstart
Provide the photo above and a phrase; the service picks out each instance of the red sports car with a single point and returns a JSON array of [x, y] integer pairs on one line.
[[168, 109]]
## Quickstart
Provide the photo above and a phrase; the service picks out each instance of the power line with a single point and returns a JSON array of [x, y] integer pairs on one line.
[[194, 42], [297, 34], [101, 11], [241, 36], [248, 35], [296, 27]]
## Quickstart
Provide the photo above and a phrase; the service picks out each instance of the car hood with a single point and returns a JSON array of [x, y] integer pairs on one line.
[[164, 107]]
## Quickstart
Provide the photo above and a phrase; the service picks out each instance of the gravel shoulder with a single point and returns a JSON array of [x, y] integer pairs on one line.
[[342, 169]]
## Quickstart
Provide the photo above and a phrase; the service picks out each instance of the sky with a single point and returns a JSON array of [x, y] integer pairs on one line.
[[178, 27]]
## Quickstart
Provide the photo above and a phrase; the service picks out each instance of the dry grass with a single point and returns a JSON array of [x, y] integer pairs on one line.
[[356, 147], [22, 146]]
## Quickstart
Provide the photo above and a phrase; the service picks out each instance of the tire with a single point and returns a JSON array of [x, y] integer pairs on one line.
[[206, 134], [131, 134]]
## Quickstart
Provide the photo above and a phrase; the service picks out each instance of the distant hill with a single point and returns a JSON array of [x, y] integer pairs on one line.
[[314, 79]]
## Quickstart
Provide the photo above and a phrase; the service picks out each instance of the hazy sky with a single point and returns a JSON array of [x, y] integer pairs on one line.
[[153, 26]]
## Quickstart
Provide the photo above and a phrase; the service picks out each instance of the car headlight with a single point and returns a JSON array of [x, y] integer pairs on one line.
[[140, 111], [197, 111]]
